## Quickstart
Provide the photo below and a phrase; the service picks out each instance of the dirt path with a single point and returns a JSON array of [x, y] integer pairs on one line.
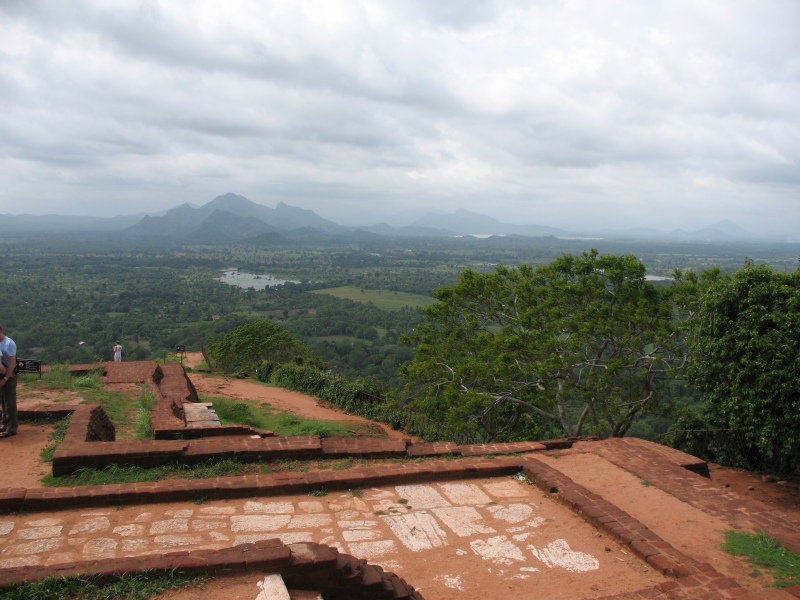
[[193, 359], [281, 399], [22, 464]]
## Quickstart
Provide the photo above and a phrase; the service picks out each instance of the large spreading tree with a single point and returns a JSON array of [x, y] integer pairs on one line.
[[746, 362], [582, 344]]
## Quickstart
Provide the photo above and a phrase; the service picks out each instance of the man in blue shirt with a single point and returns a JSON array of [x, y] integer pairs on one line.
[[8, 385]]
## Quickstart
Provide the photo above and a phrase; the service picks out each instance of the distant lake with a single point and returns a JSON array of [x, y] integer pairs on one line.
[[251, 280], [657, 278]]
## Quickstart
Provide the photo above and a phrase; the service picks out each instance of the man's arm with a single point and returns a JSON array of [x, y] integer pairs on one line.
[[8, 373]]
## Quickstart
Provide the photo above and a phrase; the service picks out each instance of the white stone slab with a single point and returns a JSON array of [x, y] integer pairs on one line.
[[129, 530], [558, 554], [359, 535], [497, 550], [37, 533], [169, 526], [272, 588], [172, 541], [59, 557], [22, 561], [268, 507], [464, 521], [35, 547], [512, 513], [218, 510], [135, 545], [101, 548], [202, 525], [259, 522], [465, 494], [417, 531], [95, 525], [421, 496], [372, 550], [6, 527]]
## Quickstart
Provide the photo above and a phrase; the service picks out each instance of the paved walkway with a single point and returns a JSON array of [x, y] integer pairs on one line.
[[465, 538], [472, 530]]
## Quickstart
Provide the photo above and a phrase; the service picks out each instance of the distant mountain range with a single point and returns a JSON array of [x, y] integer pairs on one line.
[[231, 218]]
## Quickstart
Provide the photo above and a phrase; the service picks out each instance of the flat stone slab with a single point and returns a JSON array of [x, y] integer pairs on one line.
[[272, 588]]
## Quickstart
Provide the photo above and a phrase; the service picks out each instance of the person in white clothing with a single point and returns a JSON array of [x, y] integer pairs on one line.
[[117, 351]]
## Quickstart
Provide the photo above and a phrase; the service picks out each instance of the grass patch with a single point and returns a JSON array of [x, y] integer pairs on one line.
[[384, 299], [144, 425], [134, 474], [56, 437], [263, 417], [57, 377], [762, 552], [119, 406], [345, 463], [136, 586], [210, 469]]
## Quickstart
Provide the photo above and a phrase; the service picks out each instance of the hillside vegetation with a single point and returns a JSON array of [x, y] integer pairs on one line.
[[66, 302]]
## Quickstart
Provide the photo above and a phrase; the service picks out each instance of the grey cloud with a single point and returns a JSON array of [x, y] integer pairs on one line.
[[502, 105]]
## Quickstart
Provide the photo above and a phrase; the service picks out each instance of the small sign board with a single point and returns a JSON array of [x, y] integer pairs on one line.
[[180, 349], [28, 365]]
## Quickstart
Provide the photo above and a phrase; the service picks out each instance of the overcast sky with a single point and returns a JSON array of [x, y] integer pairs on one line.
[[673, 113]]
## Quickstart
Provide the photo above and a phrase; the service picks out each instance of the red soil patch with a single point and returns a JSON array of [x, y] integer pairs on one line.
[[22, 464], [281, 399]]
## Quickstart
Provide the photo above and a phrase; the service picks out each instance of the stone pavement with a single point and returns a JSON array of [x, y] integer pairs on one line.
[[445, 534], [473, 530]]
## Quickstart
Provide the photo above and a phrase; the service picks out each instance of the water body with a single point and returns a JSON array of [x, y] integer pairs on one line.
[[251, 280]]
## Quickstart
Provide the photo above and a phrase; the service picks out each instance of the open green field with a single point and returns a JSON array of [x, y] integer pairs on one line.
[[381, 298]]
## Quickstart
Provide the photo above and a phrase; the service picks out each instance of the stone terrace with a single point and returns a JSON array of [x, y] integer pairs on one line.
[[424, 521]]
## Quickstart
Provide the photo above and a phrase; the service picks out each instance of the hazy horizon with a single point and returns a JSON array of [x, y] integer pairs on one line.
[[406, 218]]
